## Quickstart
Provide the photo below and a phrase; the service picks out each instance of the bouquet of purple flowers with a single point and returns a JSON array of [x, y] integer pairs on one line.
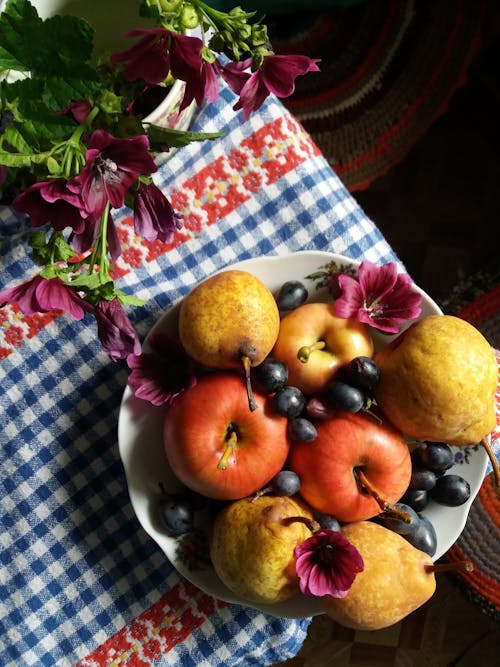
[[75, 145]]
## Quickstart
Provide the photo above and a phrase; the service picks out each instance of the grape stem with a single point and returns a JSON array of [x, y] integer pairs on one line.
[[231, 441], [493, 461], [385, 506]]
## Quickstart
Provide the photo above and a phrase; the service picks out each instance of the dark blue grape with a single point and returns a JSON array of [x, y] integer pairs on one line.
[[451, 490], [437, 456], [301, 430], [289, 402], [271, 374], [361, 372], [176, 515], [291, 295], [327, 521], [422, 478], [340, 395], [285, 483], [399, 525], [424, 538], [417, 499]]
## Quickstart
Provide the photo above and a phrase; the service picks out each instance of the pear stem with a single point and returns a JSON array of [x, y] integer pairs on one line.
[[492, 458], [465, 565], [383, 504], [248, 383], [310, 523], [228, 450], [305, 351]]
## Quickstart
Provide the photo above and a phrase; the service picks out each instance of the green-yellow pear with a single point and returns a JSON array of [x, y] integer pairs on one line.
[[252, 543], [438, 380], [395, 580], [230, 320]]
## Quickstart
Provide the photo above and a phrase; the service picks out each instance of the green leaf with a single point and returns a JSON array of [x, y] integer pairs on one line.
[[19, 24], [178, 138], [128, 299], [89, 281], [29, 44]]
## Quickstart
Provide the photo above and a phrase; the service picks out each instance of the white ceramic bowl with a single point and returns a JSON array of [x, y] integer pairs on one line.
[[145, 463]]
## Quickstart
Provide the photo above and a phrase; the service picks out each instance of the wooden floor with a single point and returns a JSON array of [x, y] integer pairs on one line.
[[440, 211]]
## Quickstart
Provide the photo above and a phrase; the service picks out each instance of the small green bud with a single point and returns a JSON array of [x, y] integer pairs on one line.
[[53, 165], [259, 34], [189, 17], [170, 6]]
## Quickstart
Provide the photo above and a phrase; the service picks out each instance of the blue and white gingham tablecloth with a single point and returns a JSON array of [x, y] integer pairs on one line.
[[80, 581]]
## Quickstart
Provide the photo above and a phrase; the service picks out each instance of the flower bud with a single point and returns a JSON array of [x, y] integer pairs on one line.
[[189, 17]]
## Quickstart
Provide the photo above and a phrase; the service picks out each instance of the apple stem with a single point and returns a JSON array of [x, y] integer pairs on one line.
[[305, 351], [493, 461], [246, 367], [465, 565], [383, 504], [228, 450]]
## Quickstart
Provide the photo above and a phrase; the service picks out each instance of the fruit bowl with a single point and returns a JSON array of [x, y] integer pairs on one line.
[[141, 446]]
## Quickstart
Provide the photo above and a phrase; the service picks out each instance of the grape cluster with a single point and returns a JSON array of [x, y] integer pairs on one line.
[[289, 401], [430, 479]]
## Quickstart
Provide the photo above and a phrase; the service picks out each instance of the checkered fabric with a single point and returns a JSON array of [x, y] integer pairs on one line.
[[80, 581]]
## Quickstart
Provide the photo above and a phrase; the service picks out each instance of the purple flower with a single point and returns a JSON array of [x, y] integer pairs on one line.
[[52, 202], [148, 59], [84, 240], [117, 335], [40, 295], [161, 375], [276, 75], [154, 217], [188, 65], [3, 173], [112, 166], [380, 297], [78, 109], [327, 564]]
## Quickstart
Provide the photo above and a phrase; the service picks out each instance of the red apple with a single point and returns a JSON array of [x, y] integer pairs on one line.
[[216, 446], [349, 446], [313, 342]]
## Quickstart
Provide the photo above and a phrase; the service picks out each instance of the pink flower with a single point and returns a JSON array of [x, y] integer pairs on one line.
[[161, 375], [40, 295], [380, 297], [112, 166], [52, 202], [154, 217], [148, 59], [327, 564], [116, 333], [276, 75]]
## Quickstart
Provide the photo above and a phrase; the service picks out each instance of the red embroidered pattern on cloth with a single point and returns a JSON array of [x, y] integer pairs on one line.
[[156, 631], [211, 194]]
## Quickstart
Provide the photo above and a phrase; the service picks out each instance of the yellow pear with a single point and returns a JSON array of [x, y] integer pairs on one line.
[[438, 380], [252, 543], [230, 320], [394, 581]]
